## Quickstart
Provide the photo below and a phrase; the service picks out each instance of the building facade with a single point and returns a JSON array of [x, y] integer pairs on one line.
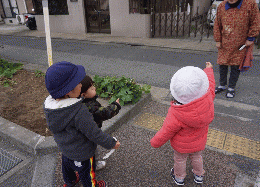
[[119, 18], [13, 11]]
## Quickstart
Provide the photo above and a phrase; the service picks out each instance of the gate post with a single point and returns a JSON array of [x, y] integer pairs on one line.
[[152, 19]]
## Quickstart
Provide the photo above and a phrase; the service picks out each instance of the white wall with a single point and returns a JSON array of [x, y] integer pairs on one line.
[[72, 23], [21, 6], [122, 23], [201, 4], [125, 24]]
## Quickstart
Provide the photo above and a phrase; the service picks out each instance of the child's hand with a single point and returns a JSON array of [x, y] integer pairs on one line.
[[118, 101], [117, 145], [209, 65]]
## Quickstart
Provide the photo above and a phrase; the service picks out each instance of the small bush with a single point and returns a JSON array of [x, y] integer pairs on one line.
[[38, 73], [7, 70], [126, 89]]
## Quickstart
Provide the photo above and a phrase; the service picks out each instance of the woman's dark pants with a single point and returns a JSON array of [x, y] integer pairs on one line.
[[234, 74]]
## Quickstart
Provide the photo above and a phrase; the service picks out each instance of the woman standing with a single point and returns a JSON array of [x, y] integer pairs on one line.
[[237, 23]]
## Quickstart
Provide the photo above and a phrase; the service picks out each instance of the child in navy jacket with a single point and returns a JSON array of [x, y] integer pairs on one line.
[[73, 127]]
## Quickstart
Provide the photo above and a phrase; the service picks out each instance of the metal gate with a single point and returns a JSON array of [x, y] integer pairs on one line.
[[97, 16], [10, 8], [178, 18]]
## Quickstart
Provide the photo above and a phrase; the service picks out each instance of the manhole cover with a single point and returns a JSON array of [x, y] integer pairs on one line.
[[7, 161]]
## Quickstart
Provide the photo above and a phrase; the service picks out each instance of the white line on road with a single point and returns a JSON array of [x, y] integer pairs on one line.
[[237, 117], [160, 94], [238, 105]]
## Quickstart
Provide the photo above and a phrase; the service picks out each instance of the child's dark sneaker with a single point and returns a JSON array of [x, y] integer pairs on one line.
[[198, 179], [179, 182], [74, 182], [101, 184]]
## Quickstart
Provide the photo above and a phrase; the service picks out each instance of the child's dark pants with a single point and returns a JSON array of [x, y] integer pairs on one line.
[[86, 171]]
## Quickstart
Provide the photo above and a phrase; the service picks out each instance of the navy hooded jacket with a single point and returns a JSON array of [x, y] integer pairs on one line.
[[74, 128]]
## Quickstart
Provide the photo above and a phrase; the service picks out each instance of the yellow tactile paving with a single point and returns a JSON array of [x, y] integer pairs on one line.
[[217, 139], [242, 146], [150, 121]]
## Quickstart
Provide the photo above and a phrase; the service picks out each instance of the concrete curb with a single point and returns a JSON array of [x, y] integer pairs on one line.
[[44, 171], [126, 113], [257, 183], [23, 138]]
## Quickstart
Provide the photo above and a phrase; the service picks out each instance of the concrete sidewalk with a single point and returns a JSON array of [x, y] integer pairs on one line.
[[207, 44], [135, 163]]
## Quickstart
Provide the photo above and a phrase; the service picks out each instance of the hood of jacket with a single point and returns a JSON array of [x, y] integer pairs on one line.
[[57, 109], [196, 114]]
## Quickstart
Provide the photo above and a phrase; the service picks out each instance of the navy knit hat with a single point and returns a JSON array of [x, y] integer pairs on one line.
[[62, 77]]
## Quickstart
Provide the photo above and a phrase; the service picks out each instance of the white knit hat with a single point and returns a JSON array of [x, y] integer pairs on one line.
[[189, 83]]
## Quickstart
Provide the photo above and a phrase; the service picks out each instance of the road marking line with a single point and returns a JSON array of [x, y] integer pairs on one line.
[[238, 105], [237, 117], [164, 92]]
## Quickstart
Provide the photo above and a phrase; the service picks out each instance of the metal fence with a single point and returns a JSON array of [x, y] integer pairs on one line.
[[182, 23], [175, 18]]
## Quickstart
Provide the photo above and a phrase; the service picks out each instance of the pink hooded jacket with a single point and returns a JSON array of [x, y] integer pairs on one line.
[[186, 126]]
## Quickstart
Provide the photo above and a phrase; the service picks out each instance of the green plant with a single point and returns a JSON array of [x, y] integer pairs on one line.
[[126, 89], [6, 82], [38, 73], [192, 28], [7, 70]]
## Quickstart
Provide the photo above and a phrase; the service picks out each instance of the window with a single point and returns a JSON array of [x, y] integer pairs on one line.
[[139, 6], [56, 7]]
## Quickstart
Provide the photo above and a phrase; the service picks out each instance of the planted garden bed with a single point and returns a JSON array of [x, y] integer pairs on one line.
[[22, 94]]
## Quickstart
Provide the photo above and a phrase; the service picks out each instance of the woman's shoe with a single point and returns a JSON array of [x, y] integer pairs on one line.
[[219, 89], [230, 93]]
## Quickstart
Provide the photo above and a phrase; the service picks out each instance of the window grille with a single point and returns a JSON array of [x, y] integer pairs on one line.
[[144, 6], [56, 7], [140, 6]]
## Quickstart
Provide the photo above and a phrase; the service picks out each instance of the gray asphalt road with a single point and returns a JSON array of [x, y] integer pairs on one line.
[[154, 66], [122, 51]]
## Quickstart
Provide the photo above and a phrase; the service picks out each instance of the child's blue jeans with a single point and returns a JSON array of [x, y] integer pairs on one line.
[[86, 171]]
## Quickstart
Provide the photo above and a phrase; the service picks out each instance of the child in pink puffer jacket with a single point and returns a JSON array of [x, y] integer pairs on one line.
[[187, 122]]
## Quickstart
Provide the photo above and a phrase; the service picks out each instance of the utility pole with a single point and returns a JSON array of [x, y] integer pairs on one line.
[[47, 30]]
